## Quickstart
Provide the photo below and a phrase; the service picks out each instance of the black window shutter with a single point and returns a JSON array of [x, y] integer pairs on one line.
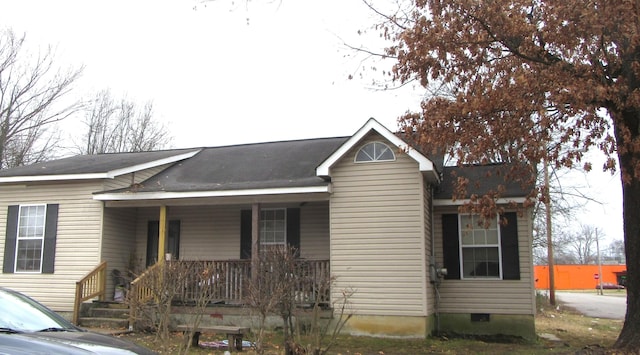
[[10, 240], [293, 228], [509, 245], [245, 234], [50, 235], [451, 246]]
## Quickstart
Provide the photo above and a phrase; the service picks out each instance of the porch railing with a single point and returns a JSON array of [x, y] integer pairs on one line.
[[140, 291], [314, 281], [224, 280], [228, 280], [93, 285]]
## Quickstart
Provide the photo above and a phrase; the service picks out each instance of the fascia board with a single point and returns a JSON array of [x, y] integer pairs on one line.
[[503, 200], [162, 195], [92, 176], [152, 164]]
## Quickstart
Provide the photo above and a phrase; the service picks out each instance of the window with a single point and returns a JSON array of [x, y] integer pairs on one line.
[[278, 226], [30, 240], [470, 251], [480, 247], [273, 229], [375, 151]]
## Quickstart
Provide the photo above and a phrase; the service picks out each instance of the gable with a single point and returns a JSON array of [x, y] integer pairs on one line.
[[372, 126]]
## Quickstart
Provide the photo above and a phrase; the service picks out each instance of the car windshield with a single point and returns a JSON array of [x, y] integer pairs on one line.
[[22, 314]]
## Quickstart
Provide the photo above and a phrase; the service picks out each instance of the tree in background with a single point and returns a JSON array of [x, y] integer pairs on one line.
[[531, 78], [34, 95], [566, 201], [120, 126], [578, 247], [614, 253]]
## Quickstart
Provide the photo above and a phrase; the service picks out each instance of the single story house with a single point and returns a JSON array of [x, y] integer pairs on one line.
[[379, 212]]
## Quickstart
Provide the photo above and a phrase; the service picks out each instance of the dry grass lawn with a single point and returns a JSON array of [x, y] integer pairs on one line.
[[576, 333]]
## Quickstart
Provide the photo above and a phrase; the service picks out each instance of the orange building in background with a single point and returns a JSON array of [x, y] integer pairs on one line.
[[578, 277]]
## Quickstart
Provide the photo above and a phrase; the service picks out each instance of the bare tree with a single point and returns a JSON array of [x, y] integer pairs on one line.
[[578, 247], [120, 126], [523, 70], [33, 96], [567, 196], [615, 252]]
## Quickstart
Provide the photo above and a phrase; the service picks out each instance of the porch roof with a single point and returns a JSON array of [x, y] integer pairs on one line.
[[273, 165], [485, 178]]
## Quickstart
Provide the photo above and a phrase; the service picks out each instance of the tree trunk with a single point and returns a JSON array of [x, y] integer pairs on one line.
[[630, 334], [629, 338]]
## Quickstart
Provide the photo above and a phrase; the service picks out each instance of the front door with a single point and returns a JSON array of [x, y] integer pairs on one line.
[[173, 241]]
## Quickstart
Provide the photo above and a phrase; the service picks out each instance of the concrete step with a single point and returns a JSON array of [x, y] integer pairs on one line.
[[122, 313], [101, 322], [109, 304]]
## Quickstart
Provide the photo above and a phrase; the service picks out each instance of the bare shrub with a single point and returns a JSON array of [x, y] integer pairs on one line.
[[157, 288], [205, 281], [283, 285], [323, 333]]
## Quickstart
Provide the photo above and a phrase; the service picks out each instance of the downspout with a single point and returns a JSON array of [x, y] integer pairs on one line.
[[433, 269]]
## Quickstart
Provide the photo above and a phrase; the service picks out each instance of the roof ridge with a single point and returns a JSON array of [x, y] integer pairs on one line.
[[276, 141]]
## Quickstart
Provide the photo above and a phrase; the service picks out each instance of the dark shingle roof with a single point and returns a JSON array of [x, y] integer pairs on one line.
[[248, 166], [482, 179], [284, 164], [92, 164]]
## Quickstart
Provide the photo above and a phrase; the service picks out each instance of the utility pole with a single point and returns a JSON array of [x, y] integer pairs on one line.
[[547, 198], [599, 264]]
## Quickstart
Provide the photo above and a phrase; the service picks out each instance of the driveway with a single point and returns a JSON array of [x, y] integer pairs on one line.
[[593, 305]]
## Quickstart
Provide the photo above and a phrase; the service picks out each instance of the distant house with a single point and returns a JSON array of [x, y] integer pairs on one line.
[[379, 213]]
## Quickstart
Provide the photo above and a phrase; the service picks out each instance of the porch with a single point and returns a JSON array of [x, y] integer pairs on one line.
[[205, 283]]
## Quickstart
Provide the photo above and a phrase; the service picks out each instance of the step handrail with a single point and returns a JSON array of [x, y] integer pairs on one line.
[[139, 294], [94, 284]]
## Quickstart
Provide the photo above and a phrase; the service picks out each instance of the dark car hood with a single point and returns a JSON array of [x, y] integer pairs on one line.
[[19, 344], [71, 342]]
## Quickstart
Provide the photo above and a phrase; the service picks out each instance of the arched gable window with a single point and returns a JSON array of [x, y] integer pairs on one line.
[[375, 151]]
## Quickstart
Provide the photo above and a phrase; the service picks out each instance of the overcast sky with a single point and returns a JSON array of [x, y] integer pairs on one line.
[[221, 72], [230, 72]]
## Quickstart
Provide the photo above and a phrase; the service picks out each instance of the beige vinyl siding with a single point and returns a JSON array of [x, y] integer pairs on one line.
[[119, 182], [206, 232], [142, 175], [490, 296], [314, 230], [118, 243], [213, 232], [377, 235], [137, 177], [77, 244]]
